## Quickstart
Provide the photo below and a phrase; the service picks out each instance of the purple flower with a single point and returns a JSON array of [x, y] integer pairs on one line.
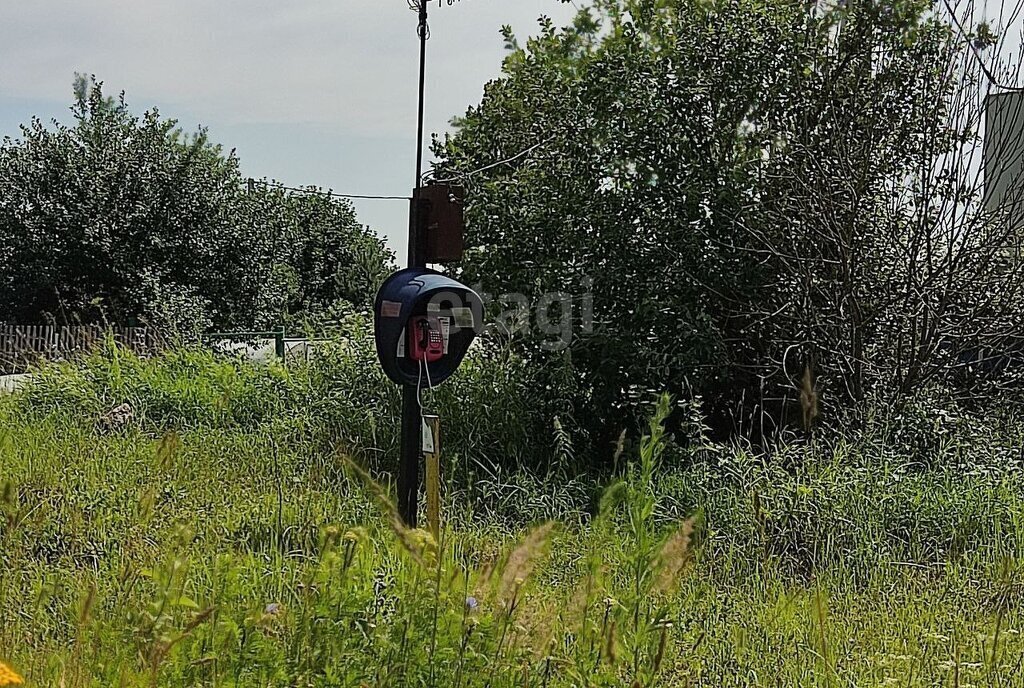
[[471, 603]]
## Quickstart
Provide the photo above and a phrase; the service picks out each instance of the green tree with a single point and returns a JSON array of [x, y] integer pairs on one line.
[[126, 218], [747, 185]]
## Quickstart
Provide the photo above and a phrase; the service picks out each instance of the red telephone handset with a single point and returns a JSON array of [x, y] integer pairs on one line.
[[425, 340]]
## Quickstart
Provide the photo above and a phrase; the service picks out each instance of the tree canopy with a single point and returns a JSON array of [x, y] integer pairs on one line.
[[757, 189], [126, 219]]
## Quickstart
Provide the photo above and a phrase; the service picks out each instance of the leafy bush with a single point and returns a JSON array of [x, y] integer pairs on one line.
[[124, 218], [183, 388], [747, 189], [340, 398]]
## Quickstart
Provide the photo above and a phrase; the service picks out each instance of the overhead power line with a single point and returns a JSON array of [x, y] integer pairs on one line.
[[458, 176], [313, 191]]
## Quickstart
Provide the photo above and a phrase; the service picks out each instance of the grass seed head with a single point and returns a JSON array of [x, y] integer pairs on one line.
[[611, 646], [167, 449], [675, 554], [522, 559]]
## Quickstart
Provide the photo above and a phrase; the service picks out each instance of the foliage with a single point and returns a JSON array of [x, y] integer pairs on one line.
[[218, 528], [752, 188], [250, 556], [125, 218], [339, 398]]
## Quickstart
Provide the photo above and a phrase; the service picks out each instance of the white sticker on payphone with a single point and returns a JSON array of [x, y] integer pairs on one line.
[[446, 330], [463, 317], [401, 345]]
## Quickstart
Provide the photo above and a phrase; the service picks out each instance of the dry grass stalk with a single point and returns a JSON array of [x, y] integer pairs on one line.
[[620, 446], [522, 559], [659, 657], [674, 556], [808, 398], [611, 646], [416, 542], [585, 592], [167, 449], [86, 611]]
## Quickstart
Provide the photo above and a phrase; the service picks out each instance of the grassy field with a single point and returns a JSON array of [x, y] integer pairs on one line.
[[224, 535]]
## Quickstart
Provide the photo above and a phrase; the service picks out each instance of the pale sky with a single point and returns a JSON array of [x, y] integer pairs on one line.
[[308, 91]]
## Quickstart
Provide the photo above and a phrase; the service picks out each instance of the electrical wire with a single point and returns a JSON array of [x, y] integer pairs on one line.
[[419, 386], [321, 192], [463, 175], [424, 367]]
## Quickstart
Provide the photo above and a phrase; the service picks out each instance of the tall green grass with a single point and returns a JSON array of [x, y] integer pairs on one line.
[[226, 536]]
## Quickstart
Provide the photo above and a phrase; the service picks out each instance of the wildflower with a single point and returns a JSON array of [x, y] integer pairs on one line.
[[471, 603], [273, 609], [8, 677]]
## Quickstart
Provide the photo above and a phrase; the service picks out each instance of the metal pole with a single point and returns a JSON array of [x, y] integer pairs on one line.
[[409, 469], [422, 32], [279, 343], [409, 472]]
